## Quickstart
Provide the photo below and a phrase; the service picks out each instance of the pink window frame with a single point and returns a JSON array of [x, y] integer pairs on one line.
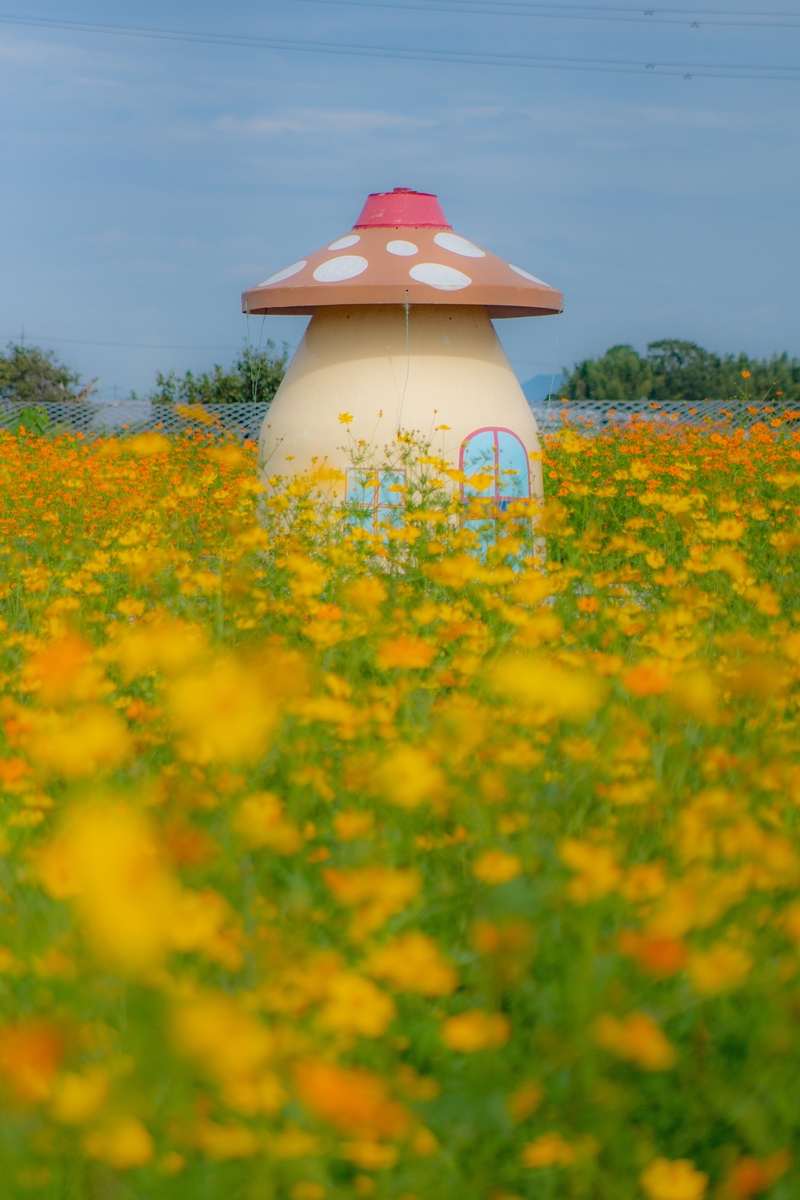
[[494, 429]]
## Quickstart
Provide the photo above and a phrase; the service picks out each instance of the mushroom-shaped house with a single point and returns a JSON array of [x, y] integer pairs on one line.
[[401, 338]]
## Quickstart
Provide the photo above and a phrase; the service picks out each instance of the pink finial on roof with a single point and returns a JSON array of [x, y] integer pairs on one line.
[[402, 208]]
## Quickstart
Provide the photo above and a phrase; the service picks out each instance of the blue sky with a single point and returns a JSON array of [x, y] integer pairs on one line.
[[145, 183]]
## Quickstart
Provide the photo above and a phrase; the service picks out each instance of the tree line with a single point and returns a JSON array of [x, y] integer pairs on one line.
[[33, 376], [670, 370], [676, 370]]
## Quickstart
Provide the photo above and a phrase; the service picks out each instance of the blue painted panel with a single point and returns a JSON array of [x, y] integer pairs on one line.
[[513, 463], [479, 459]]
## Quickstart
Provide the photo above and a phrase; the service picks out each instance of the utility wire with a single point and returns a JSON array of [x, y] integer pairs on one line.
[[648, 12], [46, 337], [508, 8], [790, 74]]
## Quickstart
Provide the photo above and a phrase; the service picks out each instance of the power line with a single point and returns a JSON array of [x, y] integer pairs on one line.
[[648, 12], [510, 8], [788, 74], [46, 337]]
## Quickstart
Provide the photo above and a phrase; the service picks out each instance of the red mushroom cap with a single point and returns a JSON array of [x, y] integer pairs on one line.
[[428, 264]]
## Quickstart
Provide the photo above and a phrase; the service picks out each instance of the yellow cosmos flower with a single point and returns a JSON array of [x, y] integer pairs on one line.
[[476, 1030], [78, 1097], [730, 530], [356, 1005], [123, 1144], [496, 867], [549, 1150], [260, 821], [413, 962], [107, 861], [722, 968], [637, 1039], [222, 712], [596, 867], [352, 823], [544, 684], [376, 893], [408, 776], [88, 741], [673, 1180]]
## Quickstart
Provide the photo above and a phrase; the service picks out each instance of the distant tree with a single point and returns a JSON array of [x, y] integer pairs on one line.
[[678, 370], [254, 376], [685, 371], [619, 375], [776, 378], [34, 376]]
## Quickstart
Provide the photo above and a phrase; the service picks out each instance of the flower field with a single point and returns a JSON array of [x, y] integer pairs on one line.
[[430, 861]]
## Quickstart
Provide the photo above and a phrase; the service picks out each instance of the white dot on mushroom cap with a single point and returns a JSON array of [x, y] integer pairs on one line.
[[458, 245], [344, 242], [527, 275], [403, 248], [436, 275], [336, 269], [286, 273]]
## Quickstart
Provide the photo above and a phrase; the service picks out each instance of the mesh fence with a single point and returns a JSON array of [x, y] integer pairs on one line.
[[243, 421], [135, 416], [713, 414]]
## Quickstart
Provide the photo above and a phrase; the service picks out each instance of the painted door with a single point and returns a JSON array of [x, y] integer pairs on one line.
[[498, 463]]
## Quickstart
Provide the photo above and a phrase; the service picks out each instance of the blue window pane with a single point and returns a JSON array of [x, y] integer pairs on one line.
[[361, 487], [479, 459], [513, 466], [391, 487], [391, 499]]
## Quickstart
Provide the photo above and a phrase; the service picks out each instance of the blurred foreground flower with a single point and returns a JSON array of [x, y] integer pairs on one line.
[[678, 1180]]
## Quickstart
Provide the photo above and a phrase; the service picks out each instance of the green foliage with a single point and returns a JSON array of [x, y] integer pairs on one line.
[[342, 860], [255, 376], [35, 376], [678, 370], [619, 375], [33, 419], [685, 371]]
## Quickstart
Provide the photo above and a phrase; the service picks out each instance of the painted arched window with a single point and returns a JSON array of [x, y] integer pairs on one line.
[[499, 454], [375, 497]]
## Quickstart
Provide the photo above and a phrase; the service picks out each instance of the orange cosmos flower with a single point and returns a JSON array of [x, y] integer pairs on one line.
[[651, 678], [407, 652], [351, 1099], [752, 1176], [658, 955], [29, 1056]]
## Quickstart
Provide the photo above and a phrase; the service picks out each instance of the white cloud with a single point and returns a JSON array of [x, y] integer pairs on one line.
[[307, 120]]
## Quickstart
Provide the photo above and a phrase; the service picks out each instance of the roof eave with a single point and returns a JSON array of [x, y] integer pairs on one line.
[[499, 302]]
